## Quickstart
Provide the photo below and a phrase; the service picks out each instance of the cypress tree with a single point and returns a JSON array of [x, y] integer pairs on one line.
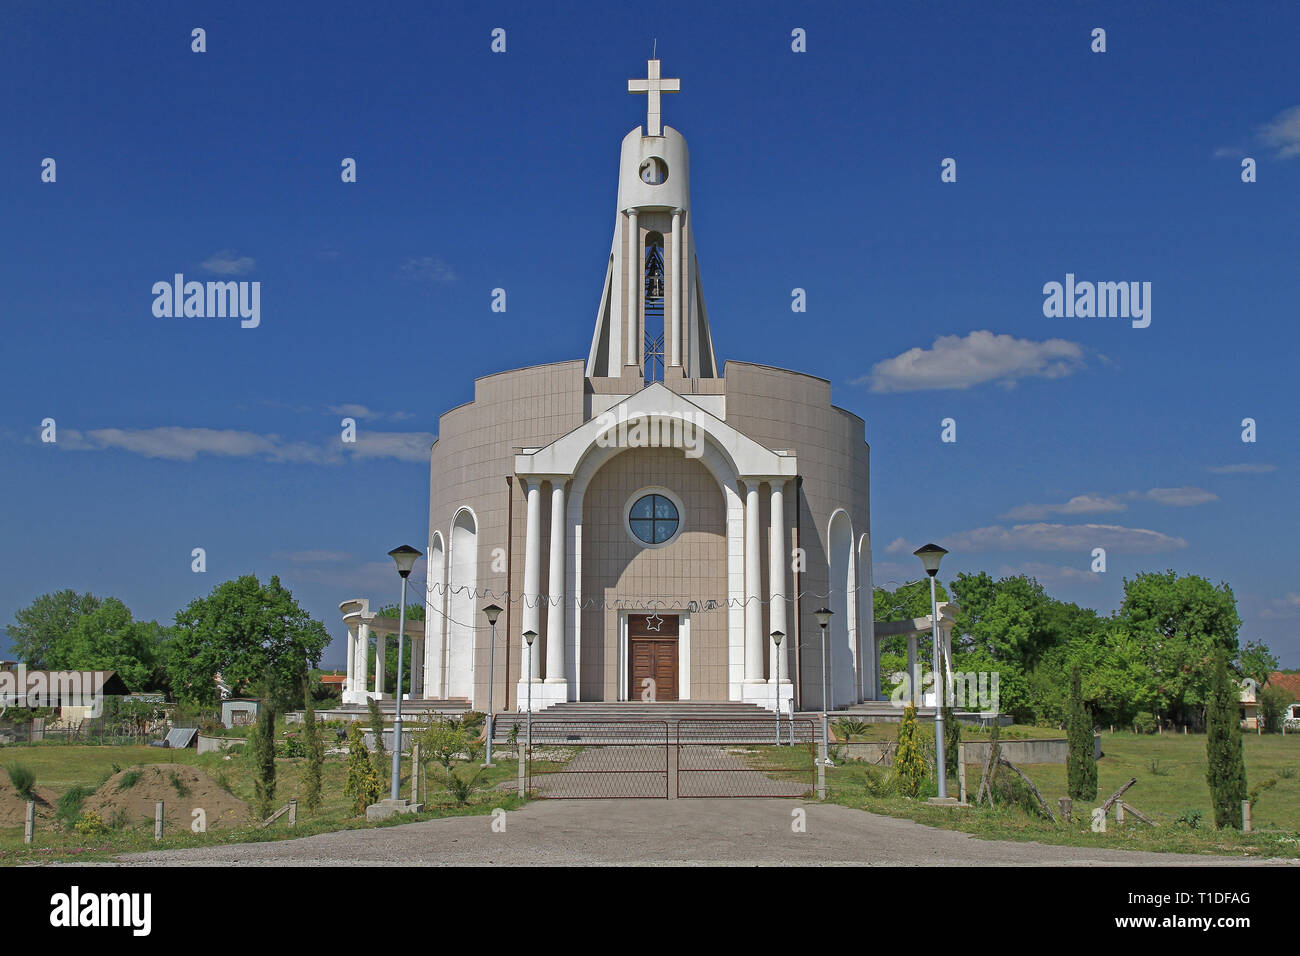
[[315, 748], [262, 744], [1081, 764], [909, 764], [377, 724], [363, 784], [1226, 770]]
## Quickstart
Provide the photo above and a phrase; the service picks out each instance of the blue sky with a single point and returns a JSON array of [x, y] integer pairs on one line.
[[816, 170]]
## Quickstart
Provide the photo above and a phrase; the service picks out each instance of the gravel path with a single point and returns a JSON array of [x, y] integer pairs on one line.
[[674, 832]]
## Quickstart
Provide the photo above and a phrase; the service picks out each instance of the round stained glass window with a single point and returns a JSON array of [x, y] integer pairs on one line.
[[653, 519]]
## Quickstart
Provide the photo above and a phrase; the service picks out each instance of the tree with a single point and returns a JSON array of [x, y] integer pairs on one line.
[[377, 725], [909, 763], [261, 745], [315, 749], [363, 783], [107, 638], [1174, 627], [1273, 704], [40, 625], [1082, 764], [1256, 661], [1226, 773], [246, 632]]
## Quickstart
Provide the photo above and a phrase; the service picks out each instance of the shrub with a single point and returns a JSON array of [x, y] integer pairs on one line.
[[1273, 704], [24, 780], [180, 786], [377, 726], [362, 782], [461, 787], [90, 823], [1144, 722], [1154, 768], [847, 728], [1190, 817], [68, 808], [909, 763]]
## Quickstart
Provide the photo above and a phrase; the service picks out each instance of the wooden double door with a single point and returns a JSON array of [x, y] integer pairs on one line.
[[652, 656]]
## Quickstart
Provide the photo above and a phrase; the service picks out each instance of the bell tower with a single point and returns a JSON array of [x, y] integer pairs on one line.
[[652, 322]]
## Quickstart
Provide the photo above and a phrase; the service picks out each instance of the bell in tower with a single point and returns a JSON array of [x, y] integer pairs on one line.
[[652, 322]]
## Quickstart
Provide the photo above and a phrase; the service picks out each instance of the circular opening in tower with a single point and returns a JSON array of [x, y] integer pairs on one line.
[[654, 518], [654, 171]]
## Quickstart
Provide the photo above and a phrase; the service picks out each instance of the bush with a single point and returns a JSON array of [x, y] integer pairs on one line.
[[1192, 818], [363, 782], [1144, 722], [847, 728], [1273, 704], [90, 823], [24, 780], [68, 809], [909, 762]]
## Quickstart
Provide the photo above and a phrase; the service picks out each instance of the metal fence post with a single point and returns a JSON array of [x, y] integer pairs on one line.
[[157, 820], [29, 822], [821, 764], [961, 771]]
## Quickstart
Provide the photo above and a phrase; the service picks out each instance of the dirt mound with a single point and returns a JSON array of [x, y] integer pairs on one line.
[[13, 808], [127, 798]]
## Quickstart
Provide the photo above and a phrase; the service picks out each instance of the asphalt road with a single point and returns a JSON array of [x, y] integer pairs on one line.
[[663, 832]]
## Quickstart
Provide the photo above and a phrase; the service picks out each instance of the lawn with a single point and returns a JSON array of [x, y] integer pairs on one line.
[[1170, 770], [61, 767]]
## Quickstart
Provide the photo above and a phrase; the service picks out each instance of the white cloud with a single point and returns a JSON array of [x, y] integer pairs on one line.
[[1094, 503], [312, 556], [353, 410], [228, 263], [1283, 133], [1042, 536], [957, 363], [427, 269], [177, 443], [1249, 469], [1285, 606], [899, 546], [1049, 573]]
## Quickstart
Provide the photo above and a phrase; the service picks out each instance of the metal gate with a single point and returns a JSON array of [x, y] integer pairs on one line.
[[599, 759], [693, 757], [743, 758]]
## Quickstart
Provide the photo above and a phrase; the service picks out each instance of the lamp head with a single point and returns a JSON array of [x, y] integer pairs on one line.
[[777, 636], [530, 636], [492, 612], [930, 555], [823, 615], [405, 558]]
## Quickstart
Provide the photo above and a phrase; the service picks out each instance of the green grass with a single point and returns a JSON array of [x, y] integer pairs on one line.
[[1163, 797], [74, 771], [876, 732]]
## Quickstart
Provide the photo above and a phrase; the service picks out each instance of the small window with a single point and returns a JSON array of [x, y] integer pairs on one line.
[[653, 519]]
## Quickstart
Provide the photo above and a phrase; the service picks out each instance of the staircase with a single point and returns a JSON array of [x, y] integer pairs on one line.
[[594, 721]]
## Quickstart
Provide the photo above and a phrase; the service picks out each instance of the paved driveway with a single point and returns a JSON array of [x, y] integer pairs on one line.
[[681, 832]]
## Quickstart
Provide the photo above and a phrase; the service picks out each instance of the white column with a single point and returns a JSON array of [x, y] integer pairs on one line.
[[363, 657], [754, 638], [675, 323], [556, 593], [352, 657], [777, 579], [913, 670], [381, 645], [634, 269], [533, 569], [684, 331]]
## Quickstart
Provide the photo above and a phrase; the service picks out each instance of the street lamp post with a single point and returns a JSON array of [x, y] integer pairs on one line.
[[823, 616], [776, 639], [931, 555], [529, 637], [405, 558], [492, 612]]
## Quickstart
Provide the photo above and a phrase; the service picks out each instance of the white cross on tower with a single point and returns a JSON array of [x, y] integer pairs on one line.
[[654, 85]]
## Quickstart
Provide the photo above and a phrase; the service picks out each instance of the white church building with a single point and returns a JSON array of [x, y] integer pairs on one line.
[[650, 513]]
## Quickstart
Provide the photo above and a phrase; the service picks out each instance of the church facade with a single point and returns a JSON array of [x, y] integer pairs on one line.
[[650, 514]]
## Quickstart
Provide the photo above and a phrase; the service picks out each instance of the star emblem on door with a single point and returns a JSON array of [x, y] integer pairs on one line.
[[658, 622]]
